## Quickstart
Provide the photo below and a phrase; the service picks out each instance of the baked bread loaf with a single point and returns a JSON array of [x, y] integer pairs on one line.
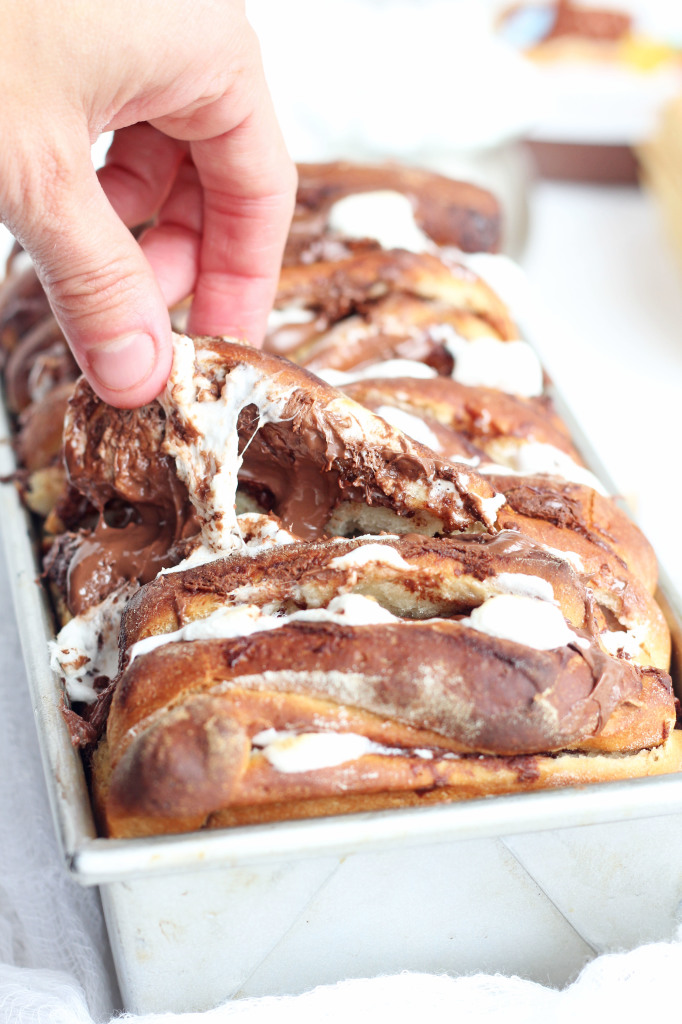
[[446, 213], [262, 686], [374, 573]]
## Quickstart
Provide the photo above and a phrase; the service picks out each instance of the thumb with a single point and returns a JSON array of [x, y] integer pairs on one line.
[[102, 290]]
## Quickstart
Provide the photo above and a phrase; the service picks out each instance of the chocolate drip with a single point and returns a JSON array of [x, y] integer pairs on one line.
[[543, 501]]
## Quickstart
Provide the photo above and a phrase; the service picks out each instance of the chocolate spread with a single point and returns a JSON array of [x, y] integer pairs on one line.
[[540, 500], [144, 519]]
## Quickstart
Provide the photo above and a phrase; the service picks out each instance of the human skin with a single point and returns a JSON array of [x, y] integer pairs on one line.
[[196, 145]]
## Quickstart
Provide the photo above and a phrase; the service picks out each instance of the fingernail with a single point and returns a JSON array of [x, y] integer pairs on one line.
[[124, 363]]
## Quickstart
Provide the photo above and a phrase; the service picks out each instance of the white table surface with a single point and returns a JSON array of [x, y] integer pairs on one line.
[[599, 260]]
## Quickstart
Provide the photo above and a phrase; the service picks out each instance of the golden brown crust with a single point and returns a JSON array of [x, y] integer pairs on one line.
[[23, 304], [338, 288], [484, 416], [482, 694], [378, 786], [40, 361], [600, 532], [446, 576], [397, 326], [452, 213], [184, 714], [38, 442], [439, 576]]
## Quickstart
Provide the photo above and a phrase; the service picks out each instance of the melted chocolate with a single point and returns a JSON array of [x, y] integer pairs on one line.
[[108, 556], [543, 501]]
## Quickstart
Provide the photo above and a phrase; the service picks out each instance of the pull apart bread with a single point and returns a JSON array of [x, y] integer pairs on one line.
[[374, 573], [293, 668]]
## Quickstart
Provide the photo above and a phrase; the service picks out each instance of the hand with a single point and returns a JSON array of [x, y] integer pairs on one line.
[[196, 144]]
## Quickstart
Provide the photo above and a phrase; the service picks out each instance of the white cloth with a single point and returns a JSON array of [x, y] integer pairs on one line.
[[47, 924], [617, 986]]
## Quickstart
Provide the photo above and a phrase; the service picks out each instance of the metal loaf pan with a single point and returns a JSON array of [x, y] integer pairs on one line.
[[534, 884]]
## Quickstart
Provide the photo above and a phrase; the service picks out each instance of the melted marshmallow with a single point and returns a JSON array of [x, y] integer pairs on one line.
[[388, 368], [288, 316], [291, 752], [383, 553], [525, 620], [258, 532], [618, 642], [509, 366], [533, 457], [87, 646], [491, 506], [209, 461], [384, 215], [231, 622], [262, 531], [200, 555], [411, 425], [521, 584], [505, 277], [306, 752], [573, 559]]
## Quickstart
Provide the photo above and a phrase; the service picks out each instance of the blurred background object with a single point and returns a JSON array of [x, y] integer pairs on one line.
[[426, 83], [660, 157], [607, 68], [451, 84], [455, 85]]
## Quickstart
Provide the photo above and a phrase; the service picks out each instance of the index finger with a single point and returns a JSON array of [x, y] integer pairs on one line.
[[249, 190]]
